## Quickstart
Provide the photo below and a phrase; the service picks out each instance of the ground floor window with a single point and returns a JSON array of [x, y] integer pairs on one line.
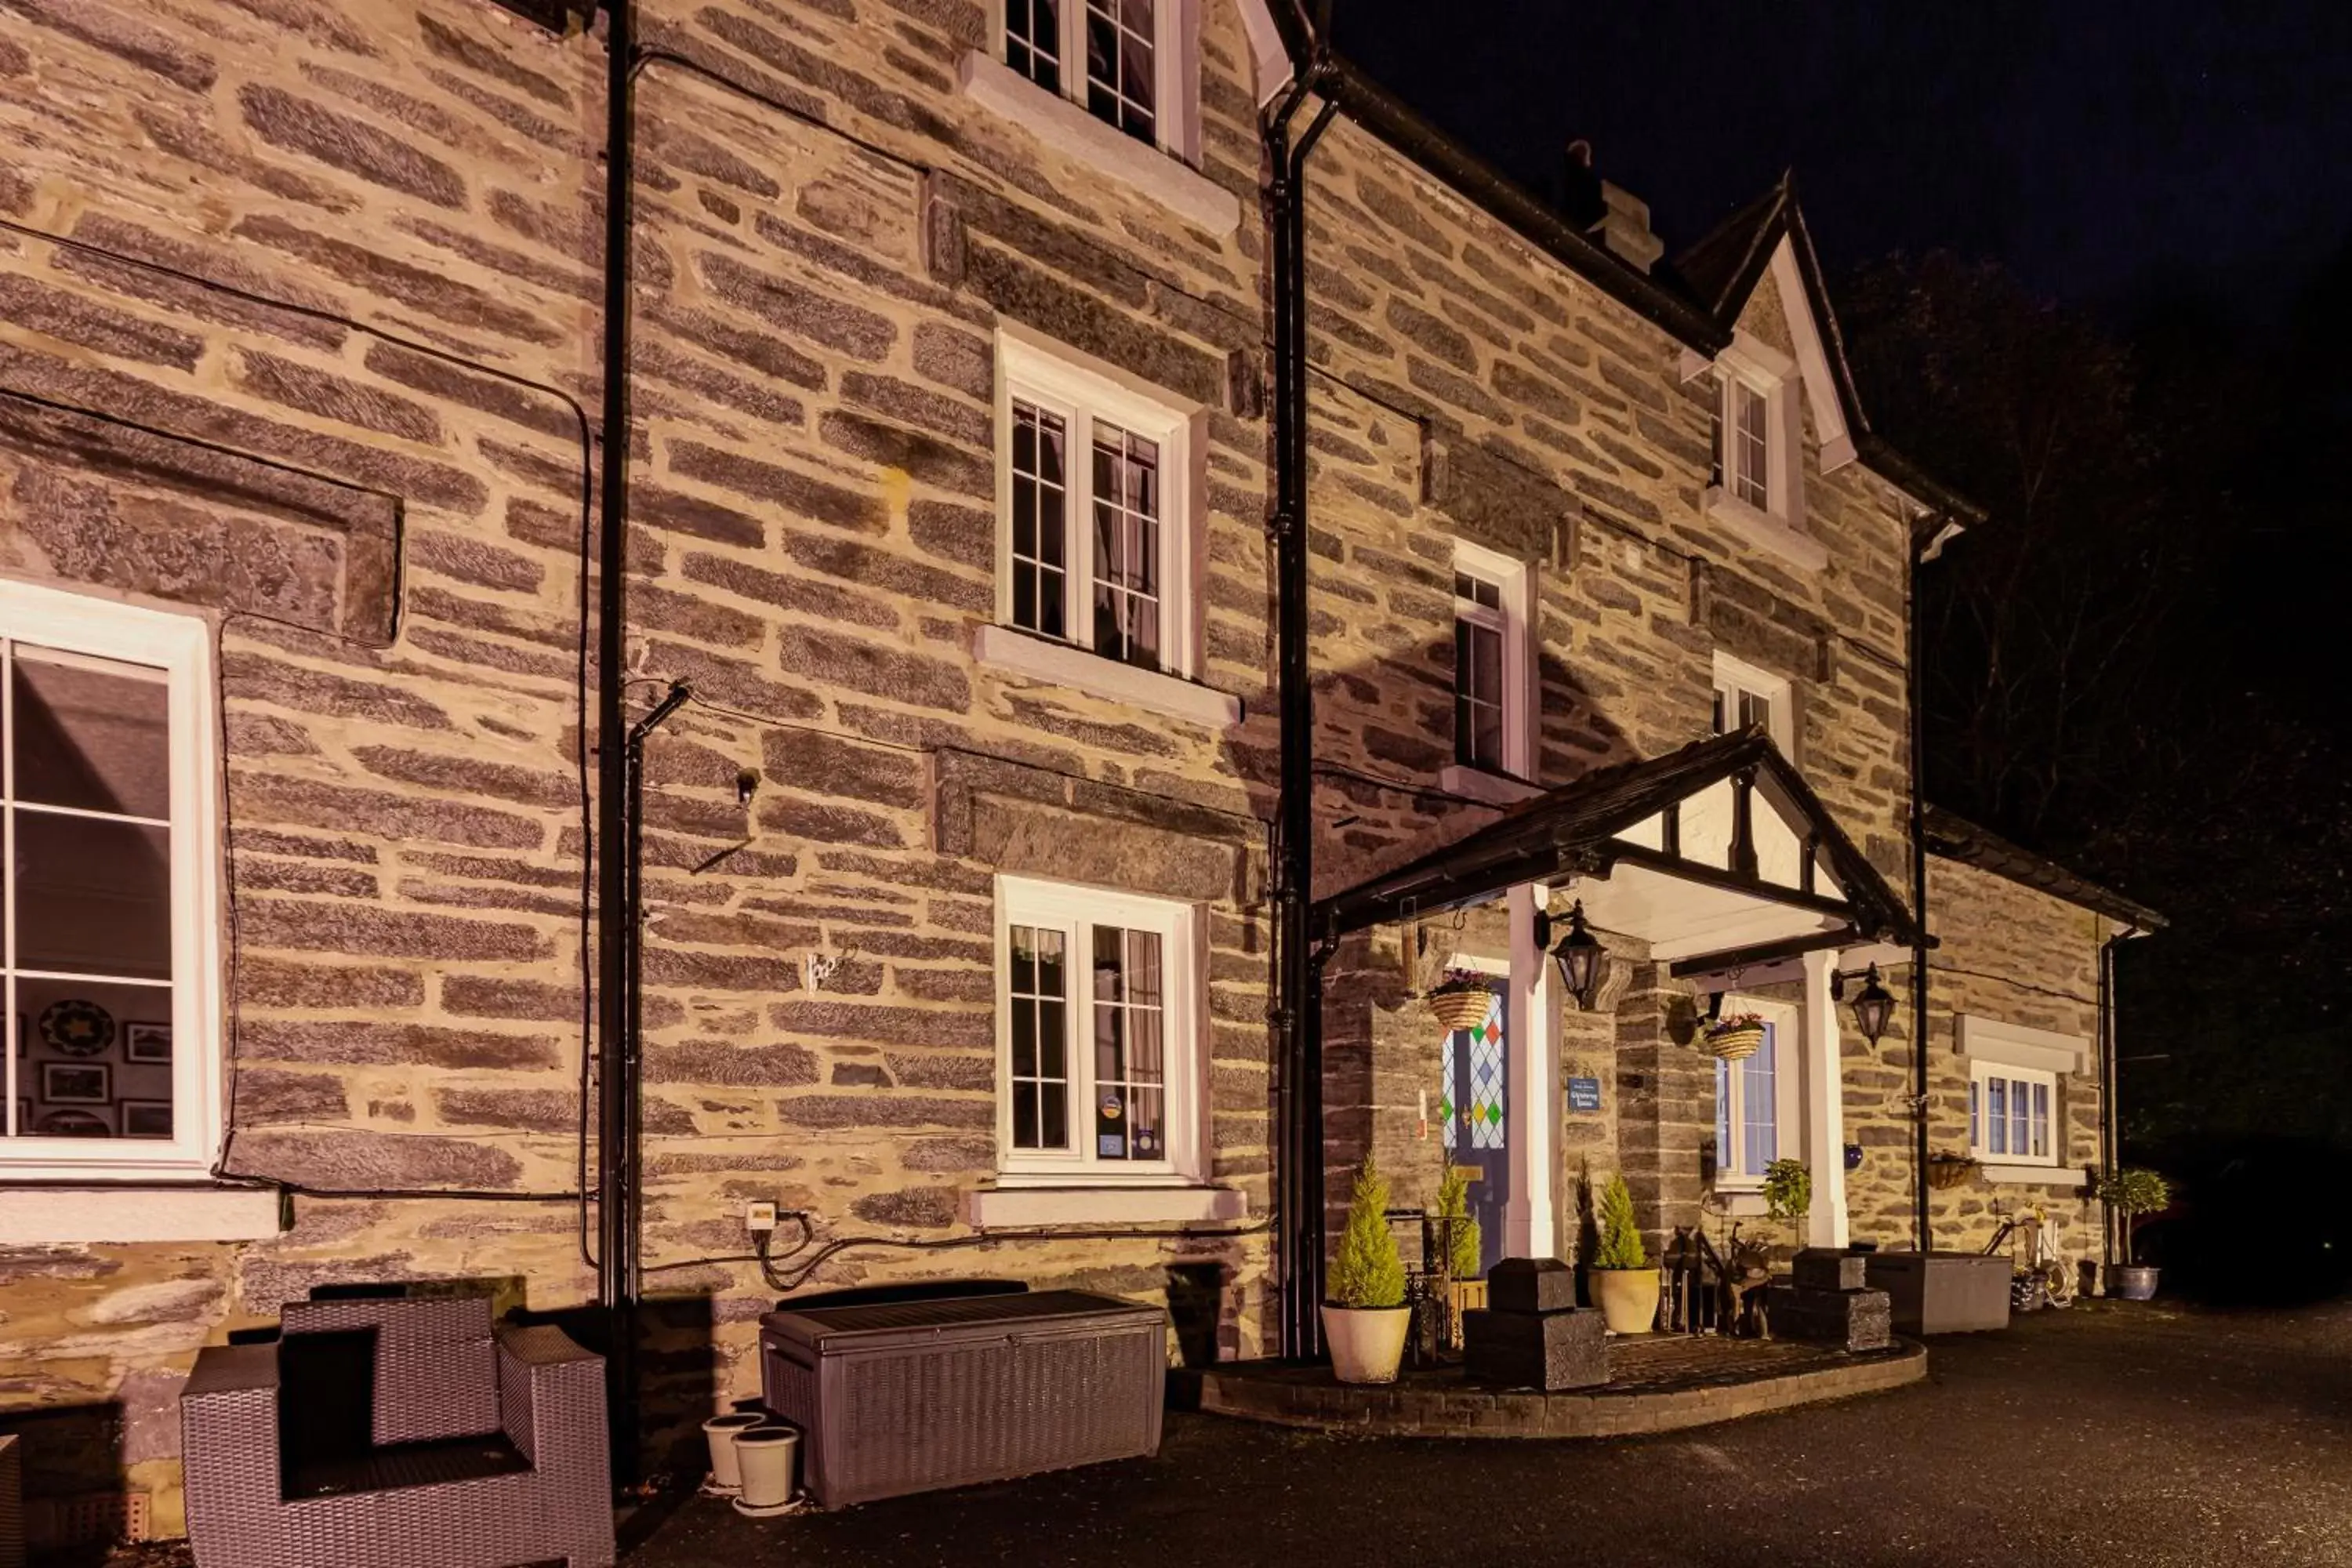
[[108, 941], [1755, 1110], [1095, 1021], [2011, 1114]]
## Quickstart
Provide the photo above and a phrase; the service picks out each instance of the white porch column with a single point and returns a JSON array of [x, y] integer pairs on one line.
[[1824, 1104], [1531, 1114]]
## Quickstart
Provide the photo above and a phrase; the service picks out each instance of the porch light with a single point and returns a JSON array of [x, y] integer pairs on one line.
[[1579, 955], [1874, 1008]]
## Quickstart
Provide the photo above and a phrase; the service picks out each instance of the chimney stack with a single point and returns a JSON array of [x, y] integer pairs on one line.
[[1610, 213]]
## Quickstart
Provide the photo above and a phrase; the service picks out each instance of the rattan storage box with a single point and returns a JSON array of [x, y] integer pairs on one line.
[[913, 1396]]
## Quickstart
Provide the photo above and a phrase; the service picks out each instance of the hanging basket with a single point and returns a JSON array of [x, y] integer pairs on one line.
[[1735, 1043], [1944, 1172], [1460, 1009]]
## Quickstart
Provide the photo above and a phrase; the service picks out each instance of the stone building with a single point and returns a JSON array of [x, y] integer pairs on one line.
[[950, 449]]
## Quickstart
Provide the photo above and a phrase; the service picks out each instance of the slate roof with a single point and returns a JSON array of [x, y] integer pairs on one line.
[[1954, 837]]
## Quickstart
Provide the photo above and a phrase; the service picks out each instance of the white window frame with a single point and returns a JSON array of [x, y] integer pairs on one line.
[[181, 646], [1514, 618], [1034, 370], [1736, 677], [1026, 901], [1981, 1070], [1175, 69], [1779, 523], [1788, 1094]]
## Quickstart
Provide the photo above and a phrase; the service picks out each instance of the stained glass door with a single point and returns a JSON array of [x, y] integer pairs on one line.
[[1473, 1092]]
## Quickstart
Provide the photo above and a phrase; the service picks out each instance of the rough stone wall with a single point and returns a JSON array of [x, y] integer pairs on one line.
[[812, 548], [2008, 953]]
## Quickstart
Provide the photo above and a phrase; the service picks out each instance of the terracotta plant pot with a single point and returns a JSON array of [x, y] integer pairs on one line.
[[2136, 1283], [1628, 1299], [1460, 1009], [719, 1433], [1367, 1343], [1734, 1045], [764, 1456]]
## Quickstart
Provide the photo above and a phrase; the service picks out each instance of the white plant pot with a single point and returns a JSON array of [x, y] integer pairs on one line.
[[719, 1433], [763, 1454], [1367, 1343]]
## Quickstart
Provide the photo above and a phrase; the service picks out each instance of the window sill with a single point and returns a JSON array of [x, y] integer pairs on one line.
[[1761, 527], [2032, 1175], [1019, 1206], [1478, 783], [84, 1216], [1066, 664], [1072, 132]]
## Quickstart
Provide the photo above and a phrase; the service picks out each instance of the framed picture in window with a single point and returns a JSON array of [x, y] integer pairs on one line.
[[74, 1123], [76, 1083], [146, 1119], [147, 1042]]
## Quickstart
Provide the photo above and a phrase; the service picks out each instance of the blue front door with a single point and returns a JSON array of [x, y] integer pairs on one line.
[[1472, 1101]]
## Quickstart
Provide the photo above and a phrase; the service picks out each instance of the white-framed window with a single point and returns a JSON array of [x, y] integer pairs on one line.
[[1759, 447], [1743, 443], [108, 919], [1094, 496], [2013, 1115], [1097, 1011], [1746, 695], [1757, 1099], [1493, 729], [1123, 61]]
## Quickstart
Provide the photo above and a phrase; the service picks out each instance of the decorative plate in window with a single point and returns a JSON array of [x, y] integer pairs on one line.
[[78, 1028]]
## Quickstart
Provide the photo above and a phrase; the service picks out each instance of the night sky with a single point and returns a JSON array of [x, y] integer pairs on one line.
[[2110, 153]]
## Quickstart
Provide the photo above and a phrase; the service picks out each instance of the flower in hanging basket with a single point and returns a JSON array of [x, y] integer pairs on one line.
[[1460, 998], [1734, 1036]]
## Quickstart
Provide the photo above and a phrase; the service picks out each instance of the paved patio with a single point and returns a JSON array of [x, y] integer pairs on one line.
[[2141, 1438]]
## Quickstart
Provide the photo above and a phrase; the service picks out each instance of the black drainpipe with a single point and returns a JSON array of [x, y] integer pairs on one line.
[[618, 1275], [1298, 1013], [1915, 680], [2109, 1082]]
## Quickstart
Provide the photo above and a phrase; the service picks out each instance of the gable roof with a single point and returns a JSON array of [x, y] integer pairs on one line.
[[1722, 271], [1688, 818], [1954, 837]]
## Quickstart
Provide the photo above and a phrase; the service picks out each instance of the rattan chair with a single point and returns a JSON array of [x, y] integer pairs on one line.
[[481, 1448]]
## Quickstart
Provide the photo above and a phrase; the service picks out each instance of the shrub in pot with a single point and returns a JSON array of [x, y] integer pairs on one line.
[[1788, 1192], [1462, 1240], [1366, 1320], [2129, 1194], [1624, 1281]]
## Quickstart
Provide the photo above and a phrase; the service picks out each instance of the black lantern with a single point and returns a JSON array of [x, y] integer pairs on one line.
[[1579, 955], [1874, 1007]]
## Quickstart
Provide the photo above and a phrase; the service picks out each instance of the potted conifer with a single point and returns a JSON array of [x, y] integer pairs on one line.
[[2129, 1195], [1366, 1320], [1462, 1240], [1624, 1281]]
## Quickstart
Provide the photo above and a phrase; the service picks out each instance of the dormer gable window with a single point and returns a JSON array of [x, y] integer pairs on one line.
[[1755, 483]]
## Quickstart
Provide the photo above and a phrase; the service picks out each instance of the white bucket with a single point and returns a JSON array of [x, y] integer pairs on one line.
[[764, 1459], [719, 1433]]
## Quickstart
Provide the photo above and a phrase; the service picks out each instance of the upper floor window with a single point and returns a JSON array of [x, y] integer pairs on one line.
[[1754, 486], [1105, 55], [1479, 628], [1493, 718], [1095, 548], [1096, 1018], [108, 936], [1746, 697], [1743, 444]]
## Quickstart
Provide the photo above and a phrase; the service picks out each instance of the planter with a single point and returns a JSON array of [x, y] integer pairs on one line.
[[1366, 1343], [1943, 1292], [764, 1456], [1628, 1299], [719, 1432], [1944, 1174], [1733, 1044], [1460, 1009], [2136, 1282]]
